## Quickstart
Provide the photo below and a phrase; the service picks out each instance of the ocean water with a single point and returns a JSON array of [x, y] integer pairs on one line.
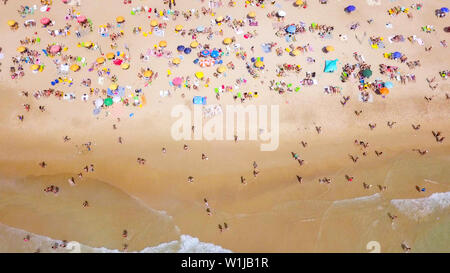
[[419, 208]]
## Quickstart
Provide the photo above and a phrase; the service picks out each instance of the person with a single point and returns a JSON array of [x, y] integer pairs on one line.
[[125, 233]]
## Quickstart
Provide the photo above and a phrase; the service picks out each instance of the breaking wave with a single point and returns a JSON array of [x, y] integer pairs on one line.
[[421, 207]]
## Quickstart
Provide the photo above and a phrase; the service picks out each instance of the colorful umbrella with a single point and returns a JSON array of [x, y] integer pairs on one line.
[[205, 53], [45, 21], [55, 49], [81, 19], [367, 73], [108, 101], [177, 81]]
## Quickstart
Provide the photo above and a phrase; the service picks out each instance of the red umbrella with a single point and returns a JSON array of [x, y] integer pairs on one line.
[[177, 81], [45, 21], [81, 19], [117, 61], [55, 49]]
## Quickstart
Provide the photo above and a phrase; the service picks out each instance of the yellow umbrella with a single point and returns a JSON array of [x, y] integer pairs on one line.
[[259, 64], [251, 14], [178, 27], [148, 73], [194, 44], [163, 44], [125, 66], [329, 48], [221, 69], [110, 56], [113, 86], [298, 2], [100, 60], [12, 23], [120, 19], [199, 75], [21, 49], [176, 61], [227, 41], [219, 19], [74, 67], [88, 44], [153, 23], [35, 67], [295, 52]]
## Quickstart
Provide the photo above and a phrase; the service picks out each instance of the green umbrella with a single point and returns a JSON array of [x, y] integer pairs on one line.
[[108, 102], [367, 73]]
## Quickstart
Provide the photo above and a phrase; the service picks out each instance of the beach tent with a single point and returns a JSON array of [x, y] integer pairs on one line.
[[330, 66], [350, 8], [367, 73], [199, 100], [388, 84]]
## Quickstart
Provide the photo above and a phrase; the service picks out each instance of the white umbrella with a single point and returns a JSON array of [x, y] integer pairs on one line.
[[98, 103], [116, 99], [281, 13]]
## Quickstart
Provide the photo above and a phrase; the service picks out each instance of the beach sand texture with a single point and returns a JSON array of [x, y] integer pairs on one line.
[[273, 212]]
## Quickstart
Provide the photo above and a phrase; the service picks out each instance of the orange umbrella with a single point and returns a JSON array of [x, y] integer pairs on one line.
[[163, 44], [153, 23], [74, 67], [120, 19], [12, 23], [21, 49], [100, 60], [110, 56], [178, 27], [384, 91], [251, 14]]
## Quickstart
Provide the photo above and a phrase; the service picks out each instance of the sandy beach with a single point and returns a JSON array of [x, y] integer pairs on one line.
[[309, 197]]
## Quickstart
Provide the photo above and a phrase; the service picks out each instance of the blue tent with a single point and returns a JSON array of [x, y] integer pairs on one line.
[[444, 9], [187, 50], [396, 55], [180, 48], [388, 84], [199, 100], [291, 29], [350, 8], [330, 66]]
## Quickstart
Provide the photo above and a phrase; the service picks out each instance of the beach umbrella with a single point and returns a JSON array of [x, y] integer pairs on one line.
[[199, 75], [397, 55], [259, 64], [176, 60], [214, 54], [251, 14], [55, 49], [88, 44], [447, 29], [148, 73], [153, 23], [163, 44], [205, 53], [110, 56], [281, 13], [74, 67], [180, 48], [227, 41], [118, 61], [98, 103], [108, 101], [295, 52], [81, 19], [219, 19], [100, 60], [367, 73], [384, 91], [120, 19], [298, 3], [204, 62], [113, 86], [177, 81], [194, 44], [12, 23], [291, 29], [329, 48], [388, 84], [125, 66], [45, 21], [444, 9], [187, 50], [221, 69], [21, 49], [35, 67], [200, 28], [178, 27], [350, 8], [330, 66]]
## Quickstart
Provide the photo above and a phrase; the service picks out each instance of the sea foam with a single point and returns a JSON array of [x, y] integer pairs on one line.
[[421, 207]]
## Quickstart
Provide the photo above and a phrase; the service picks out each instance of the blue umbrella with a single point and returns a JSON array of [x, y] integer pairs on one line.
[[205, 53], [253, 59], [291, 29], [215, 54], [396, 55], [350, 8], [444, 9], [196, 61], [388, 84], [187, 50], [180, 48], [200, 28]]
